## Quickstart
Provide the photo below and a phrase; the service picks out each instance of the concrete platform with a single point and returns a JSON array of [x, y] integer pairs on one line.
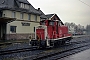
[[84, 55]]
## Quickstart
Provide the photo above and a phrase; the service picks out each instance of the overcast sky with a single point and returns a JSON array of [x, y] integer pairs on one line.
[[68, 10]]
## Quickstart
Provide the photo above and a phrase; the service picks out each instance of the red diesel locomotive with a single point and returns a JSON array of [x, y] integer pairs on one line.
[[50, 33]]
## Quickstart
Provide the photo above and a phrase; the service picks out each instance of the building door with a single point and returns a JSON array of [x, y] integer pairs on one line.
[[0, 31], [0, 14]]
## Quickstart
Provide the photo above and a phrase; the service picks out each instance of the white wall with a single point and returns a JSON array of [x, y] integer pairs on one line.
[[20, 28]]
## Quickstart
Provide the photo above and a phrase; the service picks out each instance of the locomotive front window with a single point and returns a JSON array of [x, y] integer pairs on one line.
[[51, 23], [43, 23]]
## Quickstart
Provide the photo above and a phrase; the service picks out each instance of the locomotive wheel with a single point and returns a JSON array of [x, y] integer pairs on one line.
[[63, 42]]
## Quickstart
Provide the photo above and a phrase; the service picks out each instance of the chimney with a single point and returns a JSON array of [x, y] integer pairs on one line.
[[38, 9]]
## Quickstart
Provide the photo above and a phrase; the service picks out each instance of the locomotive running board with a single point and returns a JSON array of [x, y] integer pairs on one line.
[[60, 38]]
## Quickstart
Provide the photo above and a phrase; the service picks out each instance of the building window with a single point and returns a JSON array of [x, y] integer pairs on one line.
[[29, 16], [21, 16], [35, 17], [22, 5], [13, 29], [25, 6], [13, 14]]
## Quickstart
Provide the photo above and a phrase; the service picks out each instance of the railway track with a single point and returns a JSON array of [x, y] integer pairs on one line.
[[36, 54], [68, 53], [51, 53], [17, 50]]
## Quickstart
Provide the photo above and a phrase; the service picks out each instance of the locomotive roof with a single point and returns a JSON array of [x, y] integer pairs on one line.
[[50, 20]]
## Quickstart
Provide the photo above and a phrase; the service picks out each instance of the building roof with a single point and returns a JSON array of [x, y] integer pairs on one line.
[[15, 6], [24, 1], [42, 16]]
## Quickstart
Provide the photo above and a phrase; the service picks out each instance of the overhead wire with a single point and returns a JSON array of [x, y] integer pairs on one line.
[[84, 3]]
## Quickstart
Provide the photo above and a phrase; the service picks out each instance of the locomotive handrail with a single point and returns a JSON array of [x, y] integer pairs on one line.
[[47, 39], [30, 38], [38, 36], [55, 34], [41, 35], [48, 36]]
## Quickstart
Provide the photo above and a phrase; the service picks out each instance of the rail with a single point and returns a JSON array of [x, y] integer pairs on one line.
[[17, 50]]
